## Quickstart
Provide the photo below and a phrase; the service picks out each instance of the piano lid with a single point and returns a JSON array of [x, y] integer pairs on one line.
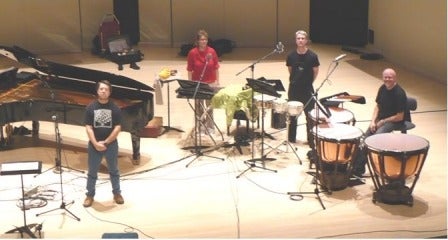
[[23, 56]]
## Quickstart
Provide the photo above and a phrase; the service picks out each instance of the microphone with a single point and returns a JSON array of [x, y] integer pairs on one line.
[[208, 57], [338, 58], [279, 48]]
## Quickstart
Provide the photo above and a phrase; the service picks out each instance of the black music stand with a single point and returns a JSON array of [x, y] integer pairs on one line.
[[196, 90], [16, 168], [168, 128], [263, 88]]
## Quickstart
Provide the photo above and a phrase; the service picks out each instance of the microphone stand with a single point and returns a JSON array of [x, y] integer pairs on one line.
[[197, 148], [252, 70], [58, 167], [317, 108]]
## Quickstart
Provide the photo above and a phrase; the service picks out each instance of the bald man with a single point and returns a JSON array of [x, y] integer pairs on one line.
[[389, 111], [388, 114]]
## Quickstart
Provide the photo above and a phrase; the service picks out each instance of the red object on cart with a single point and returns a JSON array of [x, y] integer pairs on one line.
[[114, 46], [109, 28]]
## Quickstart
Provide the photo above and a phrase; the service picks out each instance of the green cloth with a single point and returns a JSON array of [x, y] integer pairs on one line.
[[233, 98]]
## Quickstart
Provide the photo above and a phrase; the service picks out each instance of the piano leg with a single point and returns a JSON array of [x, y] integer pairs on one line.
[[9, 132], [2, 137], [35, 128], [135, 148]]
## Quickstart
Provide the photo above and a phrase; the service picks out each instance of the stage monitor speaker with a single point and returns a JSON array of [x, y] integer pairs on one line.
[[127, 13], [129, 235], [343, 22]]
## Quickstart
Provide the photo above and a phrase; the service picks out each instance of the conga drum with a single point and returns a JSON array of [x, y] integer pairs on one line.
[[336, 146], [294, 108], [395, 162], [278, 116], [337, 115], [264, 101]]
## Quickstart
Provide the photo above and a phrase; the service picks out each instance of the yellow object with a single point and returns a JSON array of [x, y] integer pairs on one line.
[[165, 73]]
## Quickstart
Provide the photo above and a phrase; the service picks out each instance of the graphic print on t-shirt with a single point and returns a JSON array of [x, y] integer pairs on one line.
[[102, 118]]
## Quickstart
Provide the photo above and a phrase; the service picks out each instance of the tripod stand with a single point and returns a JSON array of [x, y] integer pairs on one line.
[[261, 87], [58, 167], [197, 148], [318, 108], [286, 142], [169, 128]]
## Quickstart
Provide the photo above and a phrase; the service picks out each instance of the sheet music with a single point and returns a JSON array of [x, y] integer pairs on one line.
[[26, 167], [339, 99]]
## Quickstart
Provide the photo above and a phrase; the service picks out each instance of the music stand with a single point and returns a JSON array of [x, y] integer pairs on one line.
[[276, 83], [16, 168], [196, 90], [168, 128], [263, 88]]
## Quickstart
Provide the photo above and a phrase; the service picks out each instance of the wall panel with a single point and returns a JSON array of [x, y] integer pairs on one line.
[[412, 35], [251, 23], [41, 26]]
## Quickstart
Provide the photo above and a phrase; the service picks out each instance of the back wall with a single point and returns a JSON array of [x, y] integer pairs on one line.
[[409, 32]]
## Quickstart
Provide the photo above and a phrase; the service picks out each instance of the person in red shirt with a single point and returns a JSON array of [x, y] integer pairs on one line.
[[203, 66]]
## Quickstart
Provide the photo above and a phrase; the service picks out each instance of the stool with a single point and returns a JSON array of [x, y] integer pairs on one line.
[[411, 105], [241, 115]]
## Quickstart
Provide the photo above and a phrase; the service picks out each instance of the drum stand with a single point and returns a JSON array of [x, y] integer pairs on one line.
[[287, 143]]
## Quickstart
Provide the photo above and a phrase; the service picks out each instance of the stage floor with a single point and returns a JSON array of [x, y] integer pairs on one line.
[[166, 199]]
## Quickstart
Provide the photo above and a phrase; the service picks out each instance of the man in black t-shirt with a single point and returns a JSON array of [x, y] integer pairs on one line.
[[388, 114], [303, 67]]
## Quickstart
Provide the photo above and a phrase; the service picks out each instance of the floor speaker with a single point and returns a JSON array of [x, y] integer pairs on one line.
[[127, 13], [130, 235]]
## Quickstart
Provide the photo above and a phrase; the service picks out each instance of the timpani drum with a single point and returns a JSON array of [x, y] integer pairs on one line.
[[395, 162], [337, 115], [264, 101], [278, 116], [336, 147]]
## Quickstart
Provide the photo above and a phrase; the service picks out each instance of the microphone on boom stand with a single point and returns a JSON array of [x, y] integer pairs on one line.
[[279, 48]]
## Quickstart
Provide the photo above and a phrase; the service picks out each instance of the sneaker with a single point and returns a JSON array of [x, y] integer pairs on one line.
[[118, 198], [88, 201]]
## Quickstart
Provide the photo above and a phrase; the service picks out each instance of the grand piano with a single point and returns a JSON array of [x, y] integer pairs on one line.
[[59, 91]]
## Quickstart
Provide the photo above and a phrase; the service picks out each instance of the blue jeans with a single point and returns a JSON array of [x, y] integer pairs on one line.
[[361, 158], [94, 162], [386, 128]]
